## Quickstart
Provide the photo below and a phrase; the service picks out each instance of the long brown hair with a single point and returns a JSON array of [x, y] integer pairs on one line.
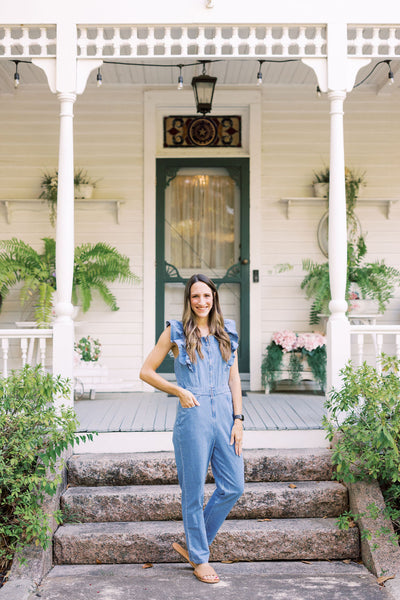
[[215, 322]]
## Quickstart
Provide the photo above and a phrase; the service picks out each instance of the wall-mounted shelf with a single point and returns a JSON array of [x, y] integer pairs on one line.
[[11, 203], [290, 202]]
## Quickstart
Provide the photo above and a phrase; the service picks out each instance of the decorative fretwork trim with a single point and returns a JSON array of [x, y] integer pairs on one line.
[[28, 41], [373, 40], [199, 41]]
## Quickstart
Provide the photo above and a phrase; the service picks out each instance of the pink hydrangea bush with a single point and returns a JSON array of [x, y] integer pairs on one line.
[[286, 339], [289, 340], [310, 341]]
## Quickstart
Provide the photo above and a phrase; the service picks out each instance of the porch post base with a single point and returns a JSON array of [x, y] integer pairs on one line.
[[338, 349]]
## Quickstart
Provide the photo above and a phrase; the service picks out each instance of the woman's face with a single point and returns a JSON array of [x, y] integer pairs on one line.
[[201, 299]]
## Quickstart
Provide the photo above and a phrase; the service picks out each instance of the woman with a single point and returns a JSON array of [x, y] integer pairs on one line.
[[209, 423]]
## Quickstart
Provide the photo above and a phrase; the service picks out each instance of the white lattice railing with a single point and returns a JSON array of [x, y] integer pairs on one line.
[[27, 346], [193, 41], [27, 41], [383, 338], [373, 40]]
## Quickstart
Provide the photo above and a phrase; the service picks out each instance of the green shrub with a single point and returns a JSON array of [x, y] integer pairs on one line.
[[365, 413], [33, 435]]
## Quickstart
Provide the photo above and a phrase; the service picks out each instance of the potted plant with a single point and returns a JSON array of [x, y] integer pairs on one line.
[[375, 281], [88, 349], [95, 265], [83, 189], [88, 372], [321, 183], [354, 181], [294, 353]]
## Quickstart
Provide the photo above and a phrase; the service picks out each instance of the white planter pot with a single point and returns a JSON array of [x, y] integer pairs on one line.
[[84, 191], [321, 190], [363, 306]]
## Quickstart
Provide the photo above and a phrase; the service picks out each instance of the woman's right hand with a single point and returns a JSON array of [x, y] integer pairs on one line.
[[187, 399]]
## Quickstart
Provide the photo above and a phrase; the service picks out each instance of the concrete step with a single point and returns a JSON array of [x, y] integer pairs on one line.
[[248, 540], [153, 468], [162, 502]]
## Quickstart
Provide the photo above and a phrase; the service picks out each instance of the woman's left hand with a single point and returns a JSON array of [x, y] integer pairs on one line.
[[237, 436]]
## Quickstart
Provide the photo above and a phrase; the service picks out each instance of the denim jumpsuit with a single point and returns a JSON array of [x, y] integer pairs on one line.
[[202, 434]]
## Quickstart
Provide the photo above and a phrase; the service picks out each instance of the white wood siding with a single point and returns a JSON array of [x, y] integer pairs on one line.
[[296, 143], [109, 144]]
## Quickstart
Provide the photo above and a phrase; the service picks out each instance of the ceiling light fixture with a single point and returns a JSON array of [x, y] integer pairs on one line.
[[203, 87]]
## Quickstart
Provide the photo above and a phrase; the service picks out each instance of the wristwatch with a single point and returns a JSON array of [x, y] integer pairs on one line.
[[240, 417]]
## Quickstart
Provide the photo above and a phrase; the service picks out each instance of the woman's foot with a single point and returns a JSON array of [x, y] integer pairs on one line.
[[205, 573]]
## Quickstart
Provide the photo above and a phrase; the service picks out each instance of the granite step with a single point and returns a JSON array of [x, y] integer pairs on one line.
[[237, 540], [299, 499], [155, 468]]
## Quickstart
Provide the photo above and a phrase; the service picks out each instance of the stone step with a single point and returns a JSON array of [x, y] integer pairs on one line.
[[153, 468], [163, 502], [246, 540]]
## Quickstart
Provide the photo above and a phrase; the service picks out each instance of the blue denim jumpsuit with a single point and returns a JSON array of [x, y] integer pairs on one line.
[[202, 434]]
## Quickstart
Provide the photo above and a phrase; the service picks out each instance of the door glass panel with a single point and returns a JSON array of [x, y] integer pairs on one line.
[[202, 227], [229, 297], [202, 222], [173, 301]]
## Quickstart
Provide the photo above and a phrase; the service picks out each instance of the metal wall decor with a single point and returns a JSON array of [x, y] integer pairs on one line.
[[190, 132]]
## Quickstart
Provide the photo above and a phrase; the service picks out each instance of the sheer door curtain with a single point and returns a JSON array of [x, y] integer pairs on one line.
[[200, 221]]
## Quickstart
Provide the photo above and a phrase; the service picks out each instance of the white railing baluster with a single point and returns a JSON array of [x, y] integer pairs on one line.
[[27, 354], [379, 344], [397, 345], [24, 350], [360, 348], [4, 347], [379, 334], [42, 350]]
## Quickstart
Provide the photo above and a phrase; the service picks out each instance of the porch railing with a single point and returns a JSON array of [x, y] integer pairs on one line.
[[382, 338], [24, 346]]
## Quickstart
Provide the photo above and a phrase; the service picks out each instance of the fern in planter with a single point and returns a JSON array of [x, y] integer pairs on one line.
[[95, 265], [376, 280]]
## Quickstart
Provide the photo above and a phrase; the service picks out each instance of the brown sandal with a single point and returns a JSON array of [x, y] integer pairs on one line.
[[184, 553], [206, 578]]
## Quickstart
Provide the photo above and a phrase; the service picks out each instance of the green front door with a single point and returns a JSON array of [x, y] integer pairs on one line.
[[202, 226]]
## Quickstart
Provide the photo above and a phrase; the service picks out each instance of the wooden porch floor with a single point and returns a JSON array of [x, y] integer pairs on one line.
[[140, 411]]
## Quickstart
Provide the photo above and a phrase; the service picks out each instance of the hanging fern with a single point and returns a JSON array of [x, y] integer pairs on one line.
[[316, 286], [376, 280], [95, 265]]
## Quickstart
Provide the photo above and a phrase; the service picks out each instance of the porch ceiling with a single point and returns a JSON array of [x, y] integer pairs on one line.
[[228, 71]]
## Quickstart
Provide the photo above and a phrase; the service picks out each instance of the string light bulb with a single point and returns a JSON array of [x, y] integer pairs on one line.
[[390, 73], [318, 90], [99, 78], [259, 74], [180, 78], [16, 74]]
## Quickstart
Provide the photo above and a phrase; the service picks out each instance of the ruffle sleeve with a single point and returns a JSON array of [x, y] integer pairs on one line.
[[230, 328], [178, 338]]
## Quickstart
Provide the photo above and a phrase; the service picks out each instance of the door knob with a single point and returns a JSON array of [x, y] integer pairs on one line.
[[245, 261]]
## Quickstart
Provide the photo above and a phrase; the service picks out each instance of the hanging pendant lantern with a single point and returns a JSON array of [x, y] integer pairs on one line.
[[203, 87]]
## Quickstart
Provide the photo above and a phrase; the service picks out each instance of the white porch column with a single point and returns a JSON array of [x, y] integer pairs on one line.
[[338, 330], [63, 329]]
